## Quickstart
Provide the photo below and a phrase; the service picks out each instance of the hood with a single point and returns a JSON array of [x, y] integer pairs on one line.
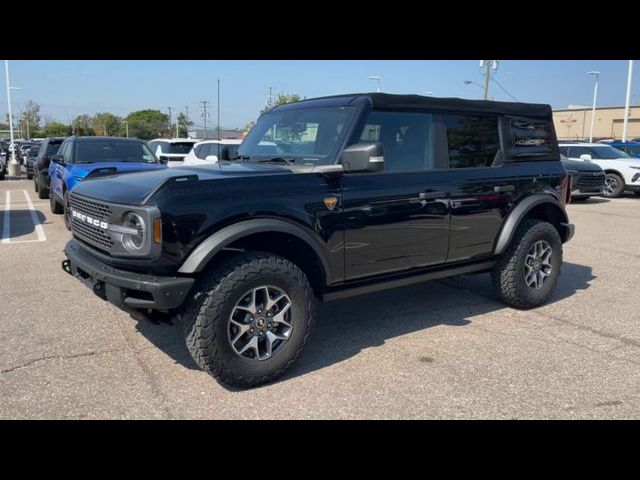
[[137, 188], [581, 166], [90, 170]]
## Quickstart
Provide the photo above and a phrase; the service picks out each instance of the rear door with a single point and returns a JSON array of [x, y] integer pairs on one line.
[[482, 187], [399, 218]]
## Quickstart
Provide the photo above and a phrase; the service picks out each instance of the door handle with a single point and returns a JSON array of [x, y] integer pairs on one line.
[[429, 196], [504, 188]]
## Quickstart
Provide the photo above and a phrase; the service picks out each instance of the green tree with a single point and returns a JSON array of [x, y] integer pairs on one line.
[[147, 124], [30, 119], [183, 125], [82, 126], [282, 99], [106, 124], [55, 129]]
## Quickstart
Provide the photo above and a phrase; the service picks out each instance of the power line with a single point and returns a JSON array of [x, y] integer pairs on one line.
[[504, 90]]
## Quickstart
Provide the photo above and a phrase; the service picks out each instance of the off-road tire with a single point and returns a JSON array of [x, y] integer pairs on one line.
[[508, 273], [56, 207], [66, 211], [207, 312], [637, 193]]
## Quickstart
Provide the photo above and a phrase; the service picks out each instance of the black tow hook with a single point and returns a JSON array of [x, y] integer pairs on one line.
[[66, 266]]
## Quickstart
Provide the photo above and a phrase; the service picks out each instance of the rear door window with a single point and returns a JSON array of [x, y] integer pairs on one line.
[[473, 140]]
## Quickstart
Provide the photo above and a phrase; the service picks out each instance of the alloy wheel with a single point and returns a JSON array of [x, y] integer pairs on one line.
[[537, 265], [260, 323]]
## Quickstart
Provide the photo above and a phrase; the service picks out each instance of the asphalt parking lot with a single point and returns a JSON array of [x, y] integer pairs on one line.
[[443, 349]]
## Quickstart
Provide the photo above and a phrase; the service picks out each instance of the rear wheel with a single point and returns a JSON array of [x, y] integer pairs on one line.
[[249, 318], [527, 272], [613, 185]]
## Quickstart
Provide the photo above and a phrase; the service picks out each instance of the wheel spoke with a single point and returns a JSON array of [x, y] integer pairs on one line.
[[279, 317], [253, 343]]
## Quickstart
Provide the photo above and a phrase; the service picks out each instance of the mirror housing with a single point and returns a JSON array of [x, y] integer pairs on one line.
[[211, 159], [59, 159], [163, 159], [586, 157], [363, 157]]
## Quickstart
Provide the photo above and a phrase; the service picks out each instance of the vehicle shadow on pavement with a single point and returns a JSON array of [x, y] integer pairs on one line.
[[20, 222], [346, 327]]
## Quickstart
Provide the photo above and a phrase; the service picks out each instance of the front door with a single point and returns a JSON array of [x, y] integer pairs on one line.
[[399, 218]]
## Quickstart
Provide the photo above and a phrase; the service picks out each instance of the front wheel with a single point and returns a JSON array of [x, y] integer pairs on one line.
[[56, 207], [249, 318], [527, 272], [67, 211], [613, 186]]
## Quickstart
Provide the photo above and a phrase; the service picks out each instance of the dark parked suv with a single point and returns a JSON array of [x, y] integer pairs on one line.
[[48, 148], [328, 198]]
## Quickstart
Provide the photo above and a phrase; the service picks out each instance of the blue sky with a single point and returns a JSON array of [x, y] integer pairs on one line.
[[65, 89]]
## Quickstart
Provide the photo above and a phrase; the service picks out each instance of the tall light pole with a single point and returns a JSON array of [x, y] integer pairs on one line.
[[595, 98], [626, 105], [376, 78], [471, 82], [13, 166], [126, 125]]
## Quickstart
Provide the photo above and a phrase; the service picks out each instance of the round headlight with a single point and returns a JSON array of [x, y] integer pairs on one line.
[[134, 242]]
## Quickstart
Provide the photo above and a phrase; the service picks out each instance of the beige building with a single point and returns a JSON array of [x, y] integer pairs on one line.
[[575, 123]]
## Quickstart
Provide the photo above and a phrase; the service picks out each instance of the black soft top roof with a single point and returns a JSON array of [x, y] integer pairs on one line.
[[419, 102]]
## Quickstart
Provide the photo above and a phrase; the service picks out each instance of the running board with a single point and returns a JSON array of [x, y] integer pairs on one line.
[[337, 293]]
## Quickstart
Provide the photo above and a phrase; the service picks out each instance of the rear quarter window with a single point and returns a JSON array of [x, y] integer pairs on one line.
[[531, 138]]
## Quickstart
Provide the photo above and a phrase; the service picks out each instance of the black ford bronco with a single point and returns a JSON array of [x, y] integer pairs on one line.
[[327, 198]]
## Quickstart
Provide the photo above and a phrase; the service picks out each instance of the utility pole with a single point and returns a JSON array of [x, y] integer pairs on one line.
[[169, 121], [26, 119], [268, 103], [488, 65], [626, 105], [204, 115], [596, 74]]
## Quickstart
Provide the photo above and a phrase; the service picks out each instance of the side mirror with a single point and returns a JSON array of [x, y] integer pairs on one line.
[[162, 159], [59, 159], [363, 157], [211, 159], [586, 157]]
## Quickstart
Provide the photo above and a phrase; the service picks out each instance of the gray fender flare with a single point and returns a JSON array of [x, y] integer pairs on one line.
[[212, 245], [518, 213]]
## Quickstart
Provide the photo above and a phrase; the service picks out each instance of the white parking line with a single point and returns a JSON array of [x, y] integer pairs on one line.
[[36, 222], [7, 209], [6, 229]]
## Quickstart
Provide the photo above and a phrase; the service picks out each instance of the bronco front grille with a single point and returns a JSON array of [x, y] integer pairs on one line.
[[94, 235]]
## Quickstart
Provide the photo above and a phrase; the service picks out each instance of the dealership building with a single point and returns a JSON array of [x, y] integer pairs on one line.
[[575, 122]]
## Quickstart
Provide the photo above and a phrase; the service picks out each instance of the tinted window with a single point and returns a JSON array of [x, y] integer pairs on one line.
[[473, 140], [96, 151], [607, 153], [531, 138], [33, 152], [52, 147], [184, 147], [407, 139]]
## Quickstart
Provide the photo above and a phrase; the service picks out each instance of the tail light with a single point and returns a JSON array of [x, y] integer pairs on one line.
[[569, 188]]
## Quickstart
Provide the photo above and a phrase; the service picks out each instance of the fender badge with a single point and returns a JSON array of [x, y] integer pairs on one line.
[[330, 202]]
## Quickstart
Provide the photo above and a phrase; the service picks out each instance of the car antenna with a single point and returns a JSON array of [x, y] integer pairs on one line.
[[219, 165]]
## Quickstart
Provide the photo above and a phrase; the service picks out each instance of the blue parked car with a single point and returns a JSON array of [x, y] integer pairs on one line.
[[82, 158], [630, 148]]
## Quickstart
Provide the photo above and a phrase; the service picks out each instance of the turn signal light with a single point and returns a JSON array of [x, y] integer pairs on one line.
[[157, 230]]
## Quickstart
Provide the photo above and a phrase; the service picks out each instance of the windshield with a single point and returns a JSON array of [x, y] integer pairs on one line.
[[33, 152], [308, 136], [632, 150], [181, 147], [607, 153], [98, 151]]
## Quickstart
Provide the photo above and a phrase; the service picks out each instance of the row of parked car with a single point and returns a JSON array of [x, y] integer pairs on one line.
[[604, 168]]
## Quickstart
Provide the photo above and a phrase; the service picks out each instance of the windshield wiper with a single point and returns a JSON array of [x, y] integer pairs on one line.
[[287, 160]]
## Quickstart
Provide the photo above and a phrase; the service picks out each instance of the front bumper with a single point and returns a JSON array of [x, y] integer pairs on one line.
[[126, 290]]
